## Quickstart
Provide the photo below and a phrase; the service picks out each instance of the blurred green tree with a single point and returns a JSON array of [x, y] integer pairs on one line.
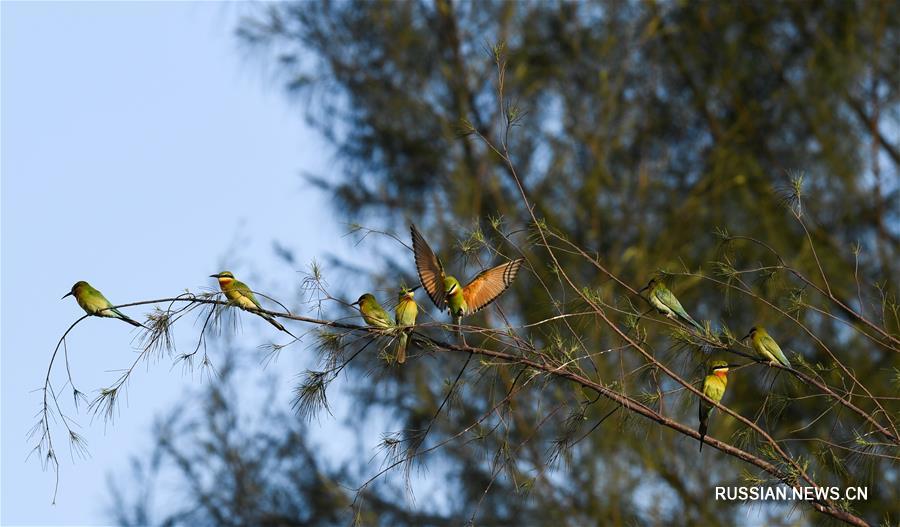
[[643, 132]]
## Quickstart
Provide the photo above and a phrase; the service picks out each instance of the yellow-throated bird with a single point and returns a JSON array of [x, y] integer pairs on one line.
[[766, 346], [94, 303], [240, 294], [713, 387], [667, 303], [405, 315], [372, 312], [447, 293]]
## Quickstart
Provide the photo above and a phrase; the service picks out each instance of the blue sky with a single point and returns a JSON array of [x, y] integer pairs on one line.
[[139, 144]]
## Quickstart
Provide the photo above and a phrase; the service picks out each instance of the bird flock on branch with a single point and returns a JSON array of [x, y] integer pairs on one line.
[[447, 293]]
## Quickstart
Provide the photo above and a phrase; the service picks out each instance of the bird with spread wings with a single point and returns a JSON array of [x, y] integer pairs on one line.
[[448, 293]]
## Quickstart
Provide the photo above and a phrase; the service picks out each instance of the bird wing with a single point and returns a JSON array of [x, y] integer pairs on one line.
[[772, 347], [245, 291], [670, 300], [489, 284], [705, 408], [383, 315], [431, 272], [377, 316], [92, 300], [102, 300]]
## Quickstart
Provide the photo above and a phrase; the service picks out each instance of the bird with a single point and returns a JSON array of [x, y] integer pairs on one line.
[[713, 387], [94, 303], [666, 303], [766, 346], [240, 294], [372, 313], [405, 315], [448, 293]]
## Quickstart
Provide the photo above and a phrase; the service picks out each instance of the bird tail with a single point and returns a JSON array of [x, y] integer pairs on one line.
[[693, 322], [702, 435], [401, 348], [122, 316], [704, 424], [271, 320], [457, 321], [134, 323]]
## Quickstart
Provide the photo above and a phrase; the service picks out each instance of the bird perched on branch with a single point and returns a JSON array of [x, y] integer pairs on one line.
[[446, 291], [372, 312], [667, 303], [240, 294], [94, 303], [405, 315], [766, 346], [713, 387]]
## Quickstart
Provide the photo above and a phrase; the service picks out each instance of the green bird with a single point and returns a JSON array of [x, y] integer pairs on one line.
[[766, 346], [372, 312], [405, 315], [94, 303], [446, 291], [713, 387], [666, 303], [240, 294]]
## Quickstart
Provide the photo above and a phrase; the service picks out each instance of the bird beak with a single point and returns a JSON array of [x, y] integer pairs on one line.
[[414, 289], [355, 303], [67, 294], [641, 290], [747, 336], [213, 276]]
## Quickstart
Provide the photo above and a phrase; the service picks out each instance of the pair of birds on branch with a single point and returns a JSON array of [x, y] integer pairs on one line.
[[445, 291], [716, 380], [238, 293], [661, 298]]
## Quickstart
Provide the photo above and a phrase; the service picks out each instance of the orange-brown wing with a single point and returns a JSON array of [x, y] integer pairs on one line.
[[489, 284], [428, 265]]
